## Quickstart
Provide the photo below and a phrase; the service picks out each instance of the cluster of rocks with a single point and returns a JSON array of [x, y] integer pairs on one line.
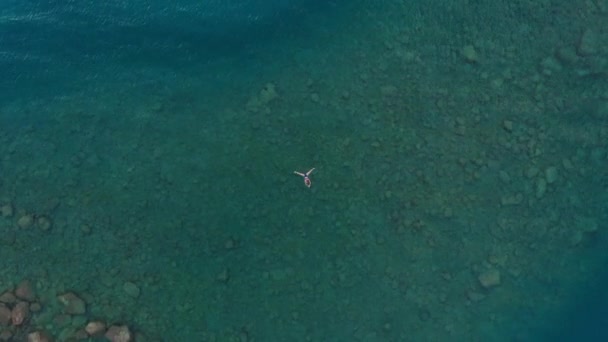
[[23, 317], [26, 317], [113, 333], [16, 308], [26, 220]]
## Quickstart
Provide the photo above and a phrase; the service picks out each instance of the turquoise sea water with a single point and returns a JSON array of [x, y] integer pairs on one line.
[[460, 190]]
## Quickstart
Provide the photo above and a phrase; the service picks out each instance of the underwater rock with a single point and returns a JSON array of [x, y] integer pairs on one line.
[[469, 54], [119, 333], [131, 289], [38, 336], [489, 278], [95, 328], [20, 313], [72, 304], [5, 315], [25, 221], [44, 223], [551, 174], [6, 210], [588, 43], [25, 291], [8, 298]]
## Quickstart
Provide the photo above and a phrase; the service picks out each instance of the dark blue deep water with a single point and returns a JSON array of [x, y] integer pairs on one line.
[[152, 158]]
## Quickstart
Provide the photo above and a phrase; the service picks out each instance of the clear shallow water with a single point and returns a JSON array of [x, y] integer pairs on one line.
[[451, 144]]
